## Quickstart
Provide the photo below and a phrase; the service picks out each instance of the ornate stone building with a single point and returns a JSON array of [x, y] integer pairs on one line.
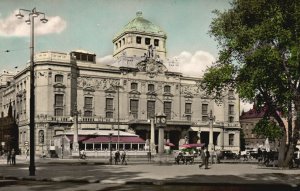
[[141, 82]]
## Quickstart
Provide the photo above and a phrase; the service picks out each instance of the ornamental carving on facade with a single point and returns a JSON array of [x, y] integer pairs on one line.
[[151, 67], [97, 83], [189, 89]]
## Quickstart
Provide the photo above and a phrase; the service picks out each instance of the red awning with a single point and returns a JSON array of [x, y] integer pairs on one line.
[[170, 144], [193, 145], [80, 138], [114, 139]]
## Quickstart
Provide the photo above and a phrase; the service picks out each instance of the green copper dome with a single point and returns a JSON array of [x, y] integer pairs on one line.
[[139, 24]]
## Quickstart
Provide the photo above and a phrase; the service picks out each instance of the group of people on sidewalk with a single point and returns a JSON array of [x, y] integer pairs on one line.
[[120, 157], [11, 157]]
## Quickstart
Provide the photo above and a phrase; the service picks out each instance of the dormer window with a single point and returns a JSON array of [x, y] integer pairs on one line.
[[156, 42], [147, 41], [138, 40], [134, 86], [59, 78]]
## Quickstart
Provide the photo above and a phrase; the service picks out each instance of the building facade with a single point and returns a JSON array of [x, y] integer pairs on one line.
[[122, 96]]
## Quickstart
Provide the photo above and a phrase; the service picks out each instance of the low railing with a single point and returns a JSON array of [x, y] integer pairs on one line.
[[70, 119]]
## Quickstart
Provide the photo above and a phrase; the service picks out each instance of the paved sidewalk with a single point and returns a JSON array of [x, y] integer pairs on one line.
[[153, 174]]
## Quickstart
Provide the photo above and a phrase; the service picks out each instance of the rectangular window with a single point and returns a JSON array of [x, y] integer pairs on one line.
[[88, 113], [88, 103], [167, 89], [231, 120], [168, 109], [83, 57], [204, 118], [134, 86], [231, 109], [109, 104], [59, 100], [138, 40], [150, 109], [109, 114], [59, 78], [147, 41], [156, 42], [58, 112], [189, 118], [204, 109], [188, 108], [134, 108], [91, 58], [231, 139], [151, 87]]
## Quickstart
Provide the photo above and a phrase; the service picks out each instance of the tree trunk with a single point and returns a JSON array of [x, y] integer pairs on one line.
[[287, 148]]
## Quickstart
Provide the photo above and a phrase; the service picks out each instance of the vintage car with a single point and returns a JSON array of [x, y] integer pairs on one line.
[[227, 154]]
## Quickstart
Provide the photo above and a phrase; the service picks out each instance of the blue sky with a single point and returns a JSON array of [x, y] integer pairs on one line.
[[92, 24]]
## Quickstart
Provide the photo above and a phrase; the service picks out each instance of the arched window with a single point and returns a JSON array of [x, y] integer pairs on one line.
[[41, 137]]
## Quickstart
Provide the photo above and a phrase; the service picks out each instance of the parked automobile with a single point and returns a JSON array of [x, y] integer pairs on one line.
[[227, 154]]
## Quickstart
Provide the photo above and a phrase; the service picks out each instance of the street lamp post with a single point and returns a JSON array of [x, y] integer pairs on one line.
[[110, 148], [75, 137], [32, 14], [118, 119], [211, 135]]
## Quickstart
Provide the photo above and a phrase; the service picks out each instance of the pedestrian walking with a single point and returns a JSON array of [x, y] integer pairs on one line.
[[149, 156], [207, 155], [117, 157], [123, 157], [202, 156], [27, 154], [8, 157], [13, 156]]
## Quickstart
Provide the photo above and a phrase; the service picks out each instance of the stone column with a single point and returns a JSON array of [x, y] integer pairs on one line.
[[152, 136], [199, 137], [75, 137], [161, 140]]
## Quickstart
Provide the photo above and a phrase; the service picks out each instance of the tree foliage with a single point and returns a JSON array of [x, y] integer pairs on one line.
[[268, 128], [259, 57]]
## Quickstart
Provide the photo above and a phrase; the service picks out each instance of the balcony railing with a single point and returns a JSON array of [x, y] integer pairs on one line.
[[69, 119]]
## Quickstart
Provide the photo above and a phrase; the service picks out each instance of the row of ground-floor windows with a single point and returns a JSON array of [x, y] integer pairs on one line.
[[114, 146]]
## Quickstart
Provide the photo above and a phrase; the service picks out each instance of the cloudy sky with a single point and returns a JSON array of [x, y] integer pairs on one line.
[[91, 25]]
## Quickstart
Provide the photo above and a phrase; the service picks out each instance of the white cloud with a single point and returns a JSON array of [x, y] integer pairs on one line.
[[192, 64], [109, 60], [12, 26], [245, 106]]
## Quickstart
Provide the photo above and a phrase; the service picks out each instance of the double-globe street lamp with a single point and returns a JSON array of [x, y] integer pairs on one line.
[[32, 14]]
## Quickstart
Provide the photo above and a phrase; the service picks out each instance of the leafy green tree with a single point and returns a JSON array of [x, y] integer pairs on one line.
[[268, 128], [259, 57]]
